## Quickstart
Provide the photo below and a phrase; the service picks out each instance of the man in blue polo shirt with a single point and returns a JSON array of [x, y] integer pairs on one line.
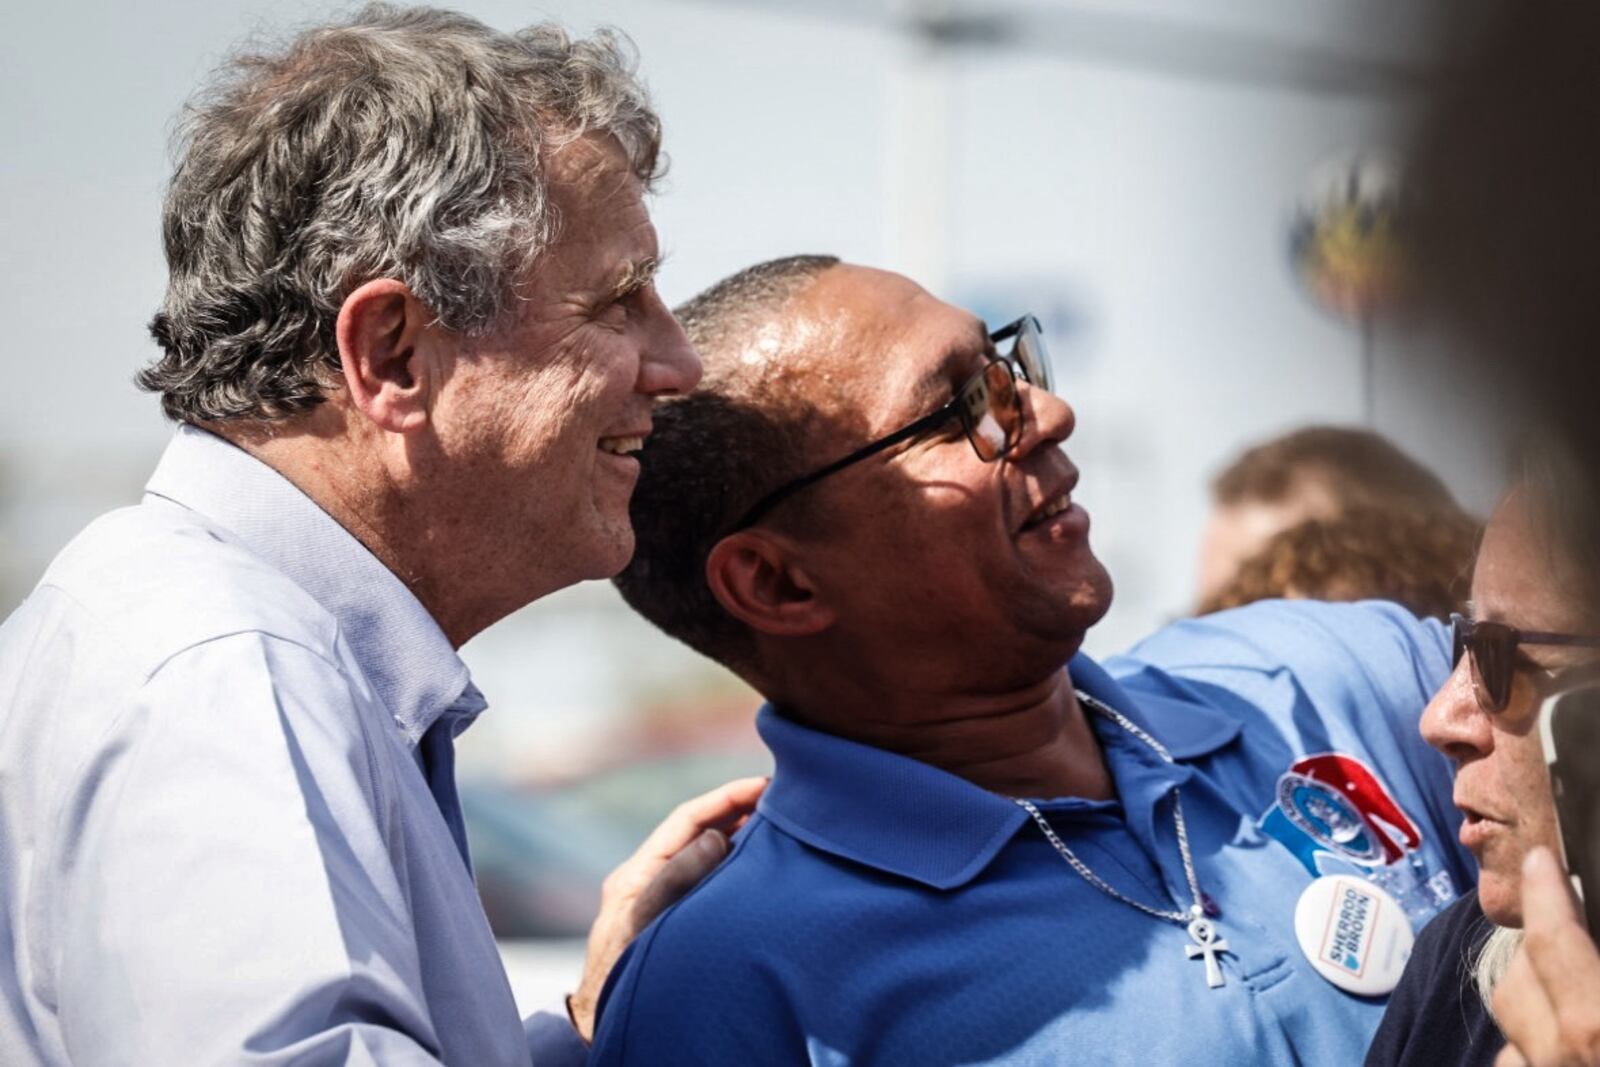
[[969, 854]]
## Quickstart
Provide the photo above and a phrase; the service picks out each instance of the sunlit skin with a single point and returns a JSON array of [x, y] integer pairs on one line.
[[1501, 784], [482, 470], [591, 349], [917, 608]]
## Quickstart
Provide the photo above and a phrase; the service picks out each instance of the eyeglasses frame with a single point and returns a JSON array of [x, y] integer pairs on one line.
[[1546, 681]]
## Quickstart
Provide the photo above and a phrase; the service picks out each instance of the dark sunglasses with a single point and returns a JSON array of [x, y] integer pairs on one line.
[[987, 404], [1492, 647]]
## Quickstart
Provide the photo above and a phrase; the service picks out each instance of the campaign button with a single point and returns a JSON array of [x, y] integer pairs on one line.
[[1354, 933]]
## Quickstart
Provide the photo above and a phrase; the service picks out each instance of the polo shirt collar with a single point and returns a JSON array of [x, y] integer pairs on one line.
[[908, 818], [409, 661], [1187, 729]]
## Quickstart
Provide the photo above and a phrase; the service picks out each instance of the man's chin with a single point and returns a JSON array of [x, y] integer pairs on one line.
[[603, 551], [1078, 572], [613, 551], [1091, 599], [1073, 613]]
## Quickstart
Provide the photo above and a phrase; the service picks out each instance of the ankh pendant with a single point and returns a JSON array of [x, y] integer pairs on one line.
[[1206, 944]]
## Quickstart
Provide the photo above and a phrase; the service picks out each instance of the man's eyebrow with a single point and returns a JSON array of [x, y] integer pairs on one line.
[[634, 275], [939, 384]]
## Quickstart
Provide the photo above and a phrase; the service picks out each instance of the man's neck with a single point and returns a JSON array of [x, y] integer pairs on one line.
[[355, 489], [1032, 741]]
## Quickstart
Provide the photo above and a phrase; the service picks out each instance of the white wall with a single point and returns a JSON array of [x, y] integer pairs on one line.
[[1160, 207]]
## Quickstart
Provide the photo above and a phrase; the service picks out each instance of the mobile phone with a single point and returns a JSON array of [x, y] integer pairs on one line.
[[1569, 730]]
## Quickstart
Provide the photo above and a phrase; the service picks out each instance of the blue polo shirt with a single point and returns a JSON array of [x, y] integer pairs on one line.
[[880, 910]]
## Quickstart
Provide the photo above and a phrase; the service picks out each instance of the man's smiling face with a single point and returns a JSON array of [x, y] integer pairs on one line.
[[542, 416], [927, 548]]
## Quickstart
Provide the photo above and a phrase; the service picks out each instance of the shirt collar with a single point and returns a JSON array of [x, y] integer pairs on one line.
[[909, 818], [407, 658], [1187, 728]]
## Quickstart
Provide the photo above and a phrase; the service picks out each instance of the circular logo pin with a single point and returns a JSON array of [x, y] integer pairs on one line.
[[1354, 934]]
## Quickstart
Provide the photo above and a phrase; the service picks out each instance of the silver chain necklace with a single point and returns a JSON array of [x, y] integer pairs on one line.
[[1201, 930]]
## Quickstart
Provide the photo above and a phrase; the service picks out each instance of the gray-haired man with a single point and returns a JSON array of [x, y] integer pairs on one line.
[[407, 401]]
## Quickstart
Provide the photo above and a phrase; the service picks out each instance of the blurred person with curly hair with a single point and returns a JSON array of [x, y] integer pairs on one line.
[[1423, 562], [1317, 472]]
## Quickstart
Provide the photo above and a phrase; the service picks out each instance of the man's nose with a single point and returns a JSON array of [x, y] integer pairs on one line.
[[1047, 420], [1453, 722], [668, 363]]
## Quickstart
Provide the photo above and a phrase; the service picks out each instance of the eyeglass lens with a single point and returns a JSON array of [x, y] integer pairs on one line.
[[992, 412], [1491, 648], [1029, 351]]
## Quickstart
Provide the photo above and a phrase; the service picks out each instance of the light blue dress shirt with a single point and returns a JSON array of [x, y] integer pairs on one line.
[[878, 910], [229, 831]]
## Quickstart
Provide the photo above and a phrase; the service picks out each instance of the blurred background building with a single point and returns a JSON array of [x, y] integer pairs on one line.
[[1191, 194]]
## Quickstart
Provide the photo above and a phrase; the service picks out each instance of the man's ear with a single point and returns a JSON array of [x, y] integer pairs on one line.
[[755, 578], [380, 332]]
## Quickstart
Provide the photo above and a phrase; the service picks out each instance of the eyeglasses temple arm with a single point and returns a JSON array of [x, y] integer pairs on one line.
[[1535, 637], [1010, 329], [778, 496]]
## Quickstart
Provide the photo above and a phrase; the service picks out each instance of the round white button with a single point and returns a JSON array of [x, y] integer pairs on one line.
[[1354, 934]]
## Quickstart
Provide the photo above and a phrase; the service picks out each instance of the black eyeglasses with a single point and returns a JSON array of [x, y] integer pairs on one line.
[[1492, 647], [988, 405]]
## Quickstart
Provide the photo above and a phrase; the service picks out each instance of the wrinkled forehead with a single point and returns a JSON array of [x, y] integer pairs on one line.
[[594, 163], [604, 244]]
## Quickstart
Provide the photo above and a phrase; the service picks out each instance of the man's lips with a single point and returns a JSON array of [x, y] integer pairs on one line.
[[1052, 503], [626, 443]]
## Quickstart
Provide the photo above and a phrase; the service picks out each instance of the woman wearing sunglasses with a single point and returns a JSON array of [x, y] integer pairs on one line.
[[1532, 631]]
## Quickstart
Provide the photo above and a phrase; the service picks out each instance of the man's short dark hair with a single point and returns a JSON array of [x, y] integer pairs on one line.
[[714, 453]]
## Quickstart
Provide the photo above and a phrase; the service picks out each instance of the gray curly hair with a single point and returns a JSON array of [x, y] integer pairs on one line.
[[406, 143]]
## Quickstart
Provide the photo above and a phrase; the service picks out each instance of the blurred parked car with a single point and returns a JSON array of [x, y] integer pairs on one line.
[[540, 854], [538, 860], [634, 797]]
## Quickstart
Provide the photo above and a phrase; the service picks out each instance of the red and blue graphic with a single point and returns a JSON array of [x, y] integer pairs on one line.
[[1335, 804], [1336, 816]]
